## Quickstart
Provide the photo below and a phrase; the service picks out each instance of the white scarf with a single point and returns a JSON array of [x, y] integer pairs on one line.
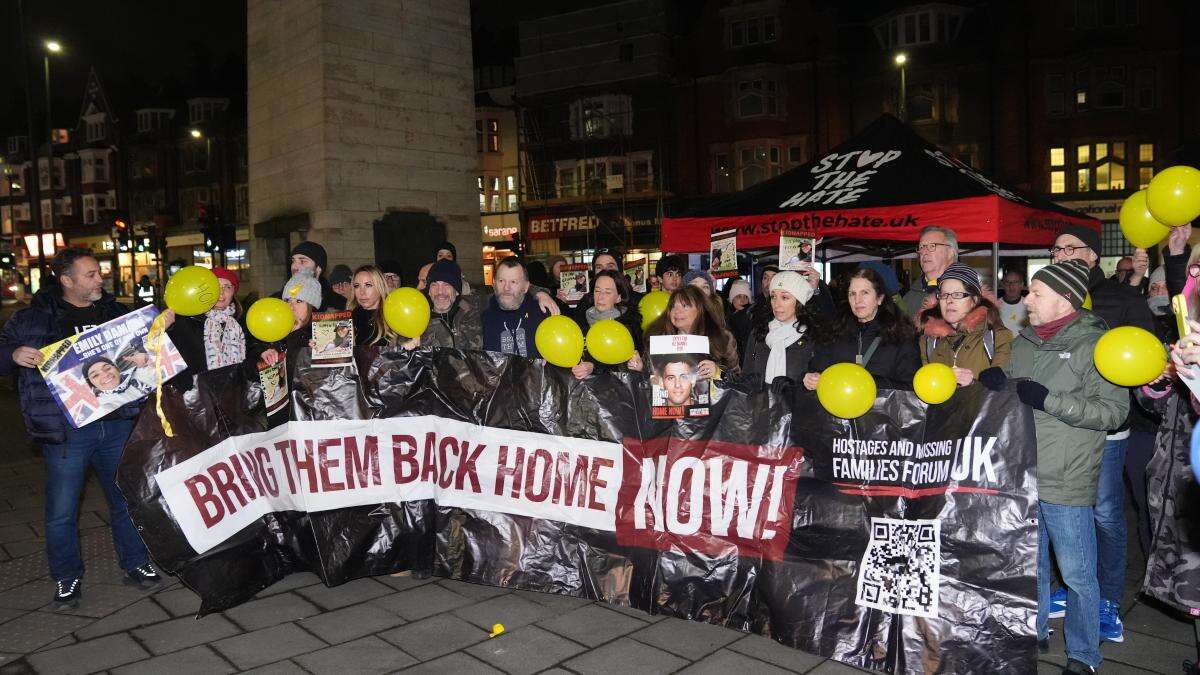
[[780, 336]]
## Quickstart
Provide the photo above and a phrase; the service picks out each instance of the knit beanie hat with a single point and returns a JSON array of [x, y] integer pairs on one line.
[[303, 286], [1159, 276], [965, 274], [1087, 235], [739, 287], [447, 271], [341, 275], [794, 283], [313, 250], [447, 246], [1068, 278], [692, 275]]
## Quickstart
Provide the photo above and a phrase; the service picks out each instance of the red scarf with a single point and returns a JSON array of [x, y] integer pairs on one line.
[[1049, 330]]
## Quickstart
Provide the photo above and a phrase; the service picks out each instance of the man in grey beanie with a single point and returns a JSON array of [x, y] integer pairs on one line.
[[1073, 407]]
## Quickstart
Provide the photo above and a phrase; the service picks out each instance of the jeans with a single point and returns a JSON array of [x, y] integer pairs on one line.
[[98, 444], [1071, 531], [1137, 456], [1110, 522]]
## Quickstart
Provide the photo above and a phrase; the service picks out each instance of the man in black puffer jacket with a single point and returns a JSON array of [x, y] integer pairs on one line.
[[76, 303], [1118, 304]]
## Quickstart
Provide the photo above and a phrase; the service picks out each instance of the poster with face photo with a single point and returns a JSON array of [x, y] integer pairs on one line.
[[103, 368], [333, 339], [676, 391], [722, 254], [273, 379], [574, 282], [636, 273], [797, 251]]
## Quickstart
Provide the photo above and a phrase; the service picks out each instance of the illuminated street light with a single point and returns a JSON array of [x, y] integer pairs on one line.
[[53, 46], [901, 59], [196, 133]]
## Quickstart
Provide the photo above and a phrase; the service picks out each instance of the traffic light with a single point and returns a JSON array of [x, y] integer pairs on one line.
[[122, 233]]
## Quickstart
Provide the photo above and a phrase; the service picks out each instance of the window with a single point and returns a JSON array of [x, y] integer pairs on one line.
[[566, 183], [1083, 154], [1084, 183], [512, 202], [89, 209], [205, 109], [510, 182], [1146, 152], [494, 182], [1056, 98], [1110, 95], [752, 163], [748, 31], [1098, 166], [493, 135], [1144, 175], [1081, 99], [479, 182], [795, 155], [921, 104], [195, 157], [757, 98], [601, 117], [495, 203], [100, 169], [478, 135], [737, 33], [17, 144], [482, 203], [1058, 157]]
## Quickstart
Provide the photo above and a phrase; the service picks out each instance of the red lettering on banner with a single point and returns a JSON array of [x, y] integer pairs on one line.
[[239, 470], [326, 463], [358, 466], [253, 470], [595, 484], [429, 465], [511, 473], [307, 465], [704, 495], [448, 446], [404, 455], [263, 459], [210, 508], [222, 477], [466, 466], [565, 491], [537, 490], [282, 448]]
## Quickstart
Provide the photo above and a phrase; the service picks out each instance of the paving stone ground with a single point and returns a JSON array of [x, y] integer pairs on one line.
[[388, 624]]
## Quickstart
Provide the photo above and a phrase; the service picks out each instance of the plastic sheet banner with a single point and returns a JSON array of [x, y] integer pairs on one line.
[[903, 541]]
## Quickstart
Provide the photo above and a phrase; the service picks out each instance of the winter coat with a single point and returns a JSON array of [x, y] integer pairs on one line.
[[1080, 408], [892, 365], [1173, 499], [968, 346], [916, 296], [187, 334], [37, 326], [799, 354], [497, 321], [631, 318], [459, 328]]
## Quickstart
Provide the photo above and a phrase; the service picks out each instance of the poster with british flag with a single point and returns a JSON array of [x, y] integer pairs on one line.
[[103, 368]]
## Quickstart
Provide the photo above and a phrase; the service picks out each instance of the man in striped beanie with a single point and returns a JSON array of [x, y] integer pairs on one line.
[[1073, 406]]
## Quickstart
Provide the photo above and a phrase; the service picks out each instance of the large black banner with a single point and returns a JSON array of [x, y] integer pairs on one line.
[[902, 541]]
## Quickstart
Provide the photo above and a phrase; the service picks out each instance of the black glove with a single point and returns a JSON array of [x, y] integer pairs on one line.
[[993, 378], [782, 384], [1032, 394]]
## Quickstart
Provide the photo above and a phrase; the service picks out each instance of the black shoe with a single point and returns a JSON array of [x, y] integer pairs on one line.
[[1044, 646], [67, 593], [1075, 667], [143, 576]]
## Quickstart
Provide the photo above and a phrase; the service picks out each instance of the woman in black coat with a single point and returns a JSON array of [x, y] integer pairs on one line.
[[780, 343], [870, 331], [612, 298]]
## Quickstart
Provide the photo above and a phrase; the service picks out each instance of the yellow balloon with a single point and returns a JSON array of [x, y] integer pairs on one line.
[[652, 305], [1174, 195], [192, 290], [1139, 225], [934, 383], [1129, 356], [846, 390], [609, 341], [1087, 301], [406, 311], [559, 341], [269, 319]]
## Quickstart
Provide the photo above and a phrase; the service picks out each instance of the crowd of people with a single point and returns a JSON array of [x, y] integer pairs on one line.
[[778, 329]]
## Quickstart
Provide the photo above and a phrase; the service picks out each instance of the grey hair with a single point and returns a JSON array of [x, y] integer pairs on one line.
[[951, 237]]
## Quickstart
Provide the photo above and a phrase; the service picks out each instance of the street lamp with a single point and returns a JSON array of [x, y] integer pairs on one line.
[[196, 133], [51, 47], [900, 60]]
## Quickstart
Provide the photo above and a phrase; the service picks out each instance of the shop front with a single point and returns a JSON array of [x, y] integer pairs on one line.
[[498, 232], [577, 232]]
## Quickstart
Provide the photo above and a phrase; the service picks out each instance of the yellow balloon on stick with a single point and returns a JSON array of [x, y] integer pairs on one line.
[[406, 311], [269, 319], [192, 291], [652, 305], [846, 390], [934, 383], [1139, 225], [1174, 195], [1129, 356], [608, 341], [559, 341]]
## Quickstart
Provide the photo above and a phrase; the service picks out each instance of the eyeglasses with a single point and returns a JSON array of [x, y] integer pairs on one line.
[[1194, 270], [1069, 250], [930, 248], [956, 295]]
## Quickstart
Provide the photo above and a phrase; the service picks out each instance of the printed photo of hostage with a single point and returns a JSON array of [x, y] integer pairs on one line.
[[676, 388], [132, 371], [332, 339]]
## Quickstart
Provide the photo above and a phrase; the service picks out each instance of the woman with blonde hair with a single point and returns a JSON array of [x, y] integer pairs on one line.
[[366, 307]]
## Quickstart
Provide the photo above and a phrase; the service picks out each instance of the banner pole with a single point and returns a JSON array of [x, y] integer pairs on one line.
[[996, 267]]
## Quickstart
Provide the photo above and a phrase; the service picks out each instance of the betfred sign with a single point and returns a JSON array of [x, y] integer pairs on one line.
[[552, 227]]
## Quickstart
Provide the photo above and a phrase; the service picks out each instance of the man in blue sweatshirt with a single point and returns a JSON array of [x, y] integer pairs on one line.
[[512, 316]]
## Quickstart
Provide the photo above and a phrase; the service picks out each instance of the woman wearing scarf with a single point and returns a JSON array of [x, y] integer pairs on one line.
[[214, 339], [780, 344], [611, 295], [964, 329]]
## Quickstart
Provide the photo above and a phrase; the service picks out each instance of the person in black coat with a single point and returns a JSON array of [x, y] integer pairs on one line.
[[612, 299], [871, 331], [212, 340], [780, 345]]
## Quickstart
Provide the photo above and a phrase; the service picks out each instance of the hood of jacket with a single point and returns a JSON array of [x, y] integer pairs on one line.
[[937, 327]]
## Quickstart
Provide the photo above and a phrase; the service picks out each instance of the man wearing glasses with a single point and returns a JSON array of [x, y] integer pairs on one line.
[[937, 248], [1118, 304]]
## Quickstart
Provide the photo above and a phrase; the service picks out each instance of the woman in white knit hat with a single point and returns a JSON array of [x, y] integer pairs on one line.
[[780, 345], [302, 292]]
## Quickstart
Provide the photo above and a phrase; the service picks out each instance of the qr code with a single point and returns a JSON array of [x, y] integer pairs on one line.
[[901, 568]]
